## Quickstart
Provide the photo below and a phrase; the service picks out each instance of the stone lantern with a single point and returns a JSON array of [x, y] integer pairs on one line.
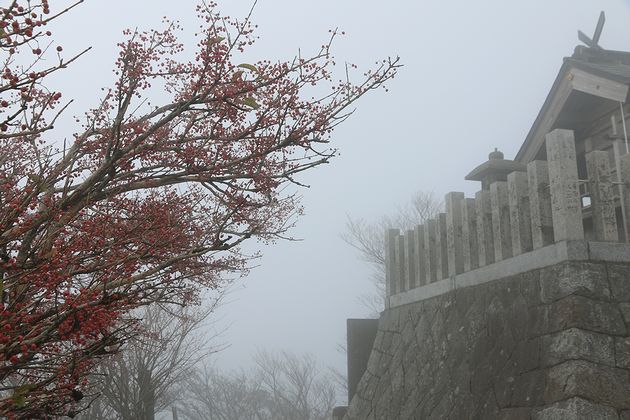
[[495, 169]]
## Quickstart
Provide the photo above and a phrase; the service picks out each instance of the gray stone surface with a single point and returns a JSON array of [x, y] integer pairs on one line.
[[399, 261], [605, 251], [584, 313], [430, 251], [410, 260], [520, 218], [575, 278], [625, 312], [420, 258], [597, 383], [576, 344], [441, 247], [619, 281], [549, 343], [622, 352], [602, 196], [576, 409], [540, 203], [454, 232], [566, 207], [484, 228], [469, 234], [624, 176], [391, 272], [501, 225]]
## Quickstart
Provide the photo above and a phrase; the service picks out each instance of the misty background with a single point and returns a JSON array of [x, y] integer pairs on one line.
[[475, 75]]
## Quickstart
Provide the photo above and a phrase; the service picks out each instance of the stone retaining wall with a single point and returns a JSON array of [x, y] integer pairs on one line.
[[550, 343]]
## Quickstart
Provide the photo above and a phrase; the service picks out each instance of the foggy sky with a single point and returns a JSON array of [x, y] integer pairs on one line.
[[475, 77]]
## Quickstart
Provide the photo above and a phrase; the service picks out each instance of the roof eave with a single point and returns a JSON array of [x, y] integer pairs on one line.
[[571, 76], [560, 78]]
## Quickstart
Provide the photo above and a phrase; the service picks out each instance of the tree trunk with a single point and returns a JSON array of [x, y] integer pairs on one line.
[[147, 394]]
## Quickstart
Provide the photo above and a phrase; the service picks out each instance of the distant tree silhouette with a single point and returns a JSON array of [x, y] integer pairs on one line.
[[368, 238], [281, 386]]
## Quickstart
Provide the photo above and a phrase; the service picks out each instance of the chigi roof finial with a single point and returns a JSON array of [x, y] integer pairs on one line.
[[594, 42]]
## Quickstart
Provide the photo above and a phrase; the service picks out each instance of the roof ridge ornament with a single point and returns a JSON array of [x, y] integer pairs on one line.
[[594, 42]]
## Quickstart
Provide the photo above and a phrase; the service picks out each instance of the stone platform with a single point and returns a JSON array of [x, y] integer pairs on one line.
[[543, 343]]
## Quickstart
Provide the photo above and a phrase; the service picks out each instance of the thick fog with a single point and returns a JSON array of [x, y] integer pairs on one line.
[[475, 75]]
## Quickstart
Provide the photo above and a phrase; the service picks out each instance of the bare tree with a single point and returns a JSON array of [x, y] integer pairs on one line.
[[145, 377], [368, 239], [282, 386], [298, 389], [213, 395]]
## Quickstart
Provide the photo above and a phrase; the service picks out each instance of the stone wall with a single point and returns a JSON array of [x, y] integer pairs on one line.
[[550, 343]]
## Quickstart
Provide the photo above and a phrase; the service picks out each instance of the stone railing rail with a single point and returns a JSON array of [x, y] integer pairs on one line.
[[534, 208]]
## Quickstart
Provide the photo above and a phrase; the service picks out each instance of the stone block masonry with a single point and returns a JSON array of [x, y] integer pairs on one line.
[[549, 343], [514, 304]]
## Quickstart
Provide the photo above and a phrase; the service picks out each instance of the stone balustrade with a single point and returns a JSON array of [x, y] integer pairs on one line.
[[536, 206]]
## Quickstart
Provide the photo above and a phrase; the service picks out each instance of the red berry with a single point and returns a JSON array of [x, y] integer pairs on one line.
[[59, 48]]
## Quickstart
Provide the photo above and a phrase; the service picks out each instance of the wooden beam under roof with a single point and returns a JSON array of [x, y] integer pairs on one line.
[[569, 79], [546, 118], [598, 86]]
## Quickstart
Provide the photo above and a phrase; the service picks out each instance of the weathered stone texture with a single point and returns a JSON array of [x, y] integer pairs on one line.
[[576, 409], [548, 344]]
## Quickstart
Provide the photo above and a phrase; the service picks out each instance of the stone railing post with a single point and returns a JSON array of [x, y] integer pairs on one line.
[[431, 250], [470, 236], [399, 248], [540, 203], [391, 273], [566, 208], [484, 228], [441, 247], [501, 220], [410, 260], [454, 232], [520, 219], [420, 258], [602, 194], [624, 177]]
